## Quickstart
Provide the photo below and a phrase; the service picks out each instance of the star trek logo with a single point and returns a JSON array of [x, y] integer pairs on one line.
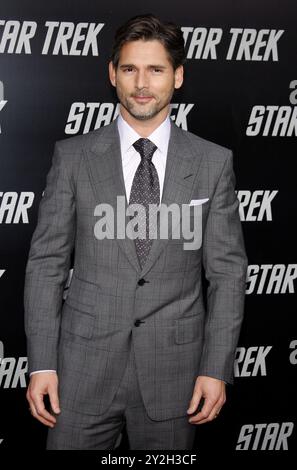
[[14, 207], [265, 436], [244, 44], [256, 205], [274, 120], [12, 371], [85, 117], [251, 362], [60, 38], [271, 279], [2, 100]]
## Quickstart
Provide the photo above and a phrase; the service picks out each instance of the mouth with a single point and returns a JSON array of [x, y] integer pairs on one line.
[[142, 99]]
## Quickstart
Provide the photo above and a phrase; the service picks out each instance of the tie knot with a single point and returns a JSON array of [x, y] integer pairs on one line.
[[145, 147]]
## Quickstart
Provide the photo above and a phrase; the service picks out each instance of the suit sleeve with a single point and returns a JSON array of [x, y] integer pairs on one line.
[[48, 265], [225, 263]]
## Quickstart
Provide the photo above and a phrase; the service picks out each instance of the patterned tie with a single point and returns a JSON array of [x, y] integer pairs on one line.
[[145, 190]]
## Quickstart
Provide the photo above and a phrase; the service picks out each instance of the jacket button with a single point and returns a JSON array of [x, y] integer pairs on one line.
[[141, 282], [137, 322]]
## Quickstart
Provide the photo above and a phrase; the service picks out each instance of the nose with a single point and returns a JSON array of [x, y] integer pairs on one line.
[[141, 79]]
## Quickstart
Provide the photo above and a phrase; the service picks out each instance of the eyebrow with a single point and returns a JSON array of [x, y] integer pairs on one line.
[[149, 66]]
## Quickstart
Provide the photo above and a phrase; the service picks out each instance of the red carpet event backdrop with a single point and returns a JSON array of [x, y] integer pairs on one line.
[[240, 91]]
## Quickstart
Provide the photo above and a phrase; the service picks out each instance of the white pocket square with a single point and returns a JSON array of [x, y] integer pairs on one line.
[[197, 202]]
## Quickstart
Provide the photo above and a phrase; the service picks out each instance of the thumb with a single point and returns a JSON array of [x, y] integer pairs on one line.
[[54, 399], [194, 401]]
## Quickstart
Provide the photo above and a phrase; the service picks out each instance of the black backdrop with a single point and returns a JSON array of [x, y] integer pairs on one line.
[[241, 93]]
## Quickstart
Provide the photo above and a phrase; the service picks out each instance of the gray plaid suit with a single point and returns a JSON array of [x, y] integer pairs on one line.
[[88, 337]]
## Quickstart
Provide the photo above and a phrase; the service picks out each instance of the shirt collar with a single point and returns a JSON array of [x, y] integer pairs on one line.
[[160, 136]]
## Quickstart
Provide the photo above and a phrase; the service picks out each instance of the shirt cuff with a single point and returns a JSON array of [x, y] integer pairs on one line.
[[38, 371]]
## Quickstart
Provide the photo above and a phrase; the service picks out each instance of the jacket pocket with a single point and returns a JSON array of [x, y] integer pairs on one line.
[[189, 329], [82, 295], [77, 322]]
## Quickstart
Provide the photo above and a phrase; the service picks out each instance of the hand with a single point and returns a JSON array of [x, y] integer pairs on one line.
[[43, 383], [214, 392]]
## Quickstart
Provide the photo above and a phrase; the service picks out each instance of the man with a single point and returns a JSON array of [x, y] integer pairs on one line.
[[133, 343]]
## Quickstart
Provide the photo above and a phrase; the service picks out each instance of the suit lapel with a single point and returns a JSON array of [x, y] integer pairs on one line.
[[106, 175], [180, 173]]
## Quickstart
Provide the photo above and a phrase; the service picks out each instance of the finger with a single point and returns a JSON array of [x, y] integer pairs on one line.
[[41, 410], [205, 412], [213, 415], [197, 395], [54, 399], [39, 418]]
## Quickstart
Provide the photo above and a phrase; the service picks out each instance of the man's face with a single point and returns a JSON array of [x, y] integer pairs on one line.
[[145, 79]]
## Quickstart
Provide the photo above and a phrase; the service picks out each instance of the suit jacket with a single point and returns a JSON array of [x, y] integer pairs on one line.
[[112, 301]]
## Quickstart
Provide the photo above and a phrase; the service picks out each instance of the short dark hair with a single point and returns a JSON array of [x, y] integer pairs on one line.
[[148, 27]]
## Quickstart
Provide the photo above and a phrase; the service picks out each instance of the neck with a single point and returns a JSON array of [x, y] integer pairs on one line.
[[146, 127]]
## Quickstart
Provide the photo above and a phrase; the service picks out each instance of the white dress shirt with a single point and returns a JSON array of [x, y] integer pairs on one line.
[[131, 158]]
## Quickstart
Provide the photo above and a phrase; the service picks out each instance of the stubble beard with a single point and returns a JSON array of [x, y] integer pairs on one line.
[[144, 114]]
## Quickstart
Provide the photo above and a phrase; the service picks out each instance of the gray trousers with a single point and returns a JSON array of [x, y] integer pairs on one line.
[[74, 430]]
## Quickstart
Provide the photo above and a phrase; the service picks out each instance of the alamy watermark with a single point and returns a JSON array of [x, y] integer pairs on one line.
[[186, 222]]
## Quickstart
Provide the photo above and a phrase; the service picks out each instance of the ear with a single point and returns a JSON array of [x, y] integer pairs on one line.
[[179, 76], [112, 73]]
